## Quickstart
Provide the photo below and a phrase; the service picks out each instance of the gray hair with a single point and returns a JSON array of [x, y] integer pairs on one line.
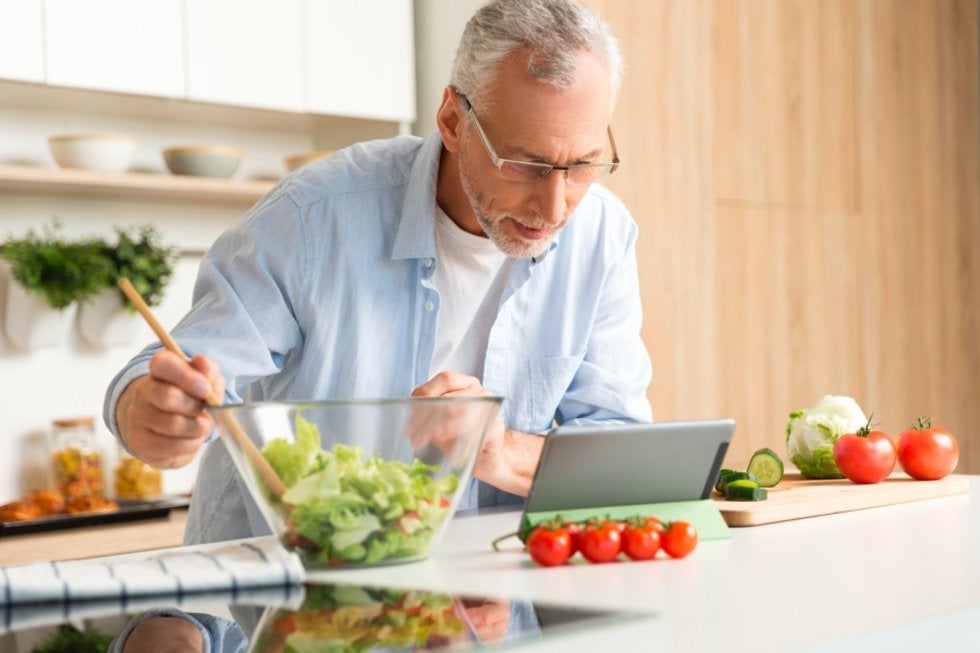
[[554, 30]]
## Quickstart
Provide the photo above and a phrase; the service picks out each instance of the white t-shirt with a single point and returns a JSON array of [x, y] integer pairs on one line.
[[469, 293]]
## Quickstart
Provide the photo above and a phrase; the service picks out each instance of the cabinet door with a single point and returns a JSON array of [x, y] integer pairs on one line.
[[246, 53], [361, 58], [21, 40], [130, 46]]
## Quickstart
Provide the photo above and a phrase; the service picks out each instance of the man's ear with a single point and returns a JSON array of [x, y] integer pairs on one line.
[[449, 120]]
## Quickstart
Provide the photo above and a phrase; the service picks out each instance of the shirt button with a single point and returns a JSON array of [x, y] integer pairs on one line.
[[427, 262], [429, 306]]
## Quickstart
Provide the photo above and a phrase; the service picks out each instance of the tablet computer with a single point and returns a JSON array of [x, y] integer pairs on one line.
[[628, 464]]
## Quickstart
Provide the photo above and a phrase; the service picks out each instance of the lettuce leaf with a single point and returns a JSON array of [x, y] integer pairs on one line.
[[348, 509]]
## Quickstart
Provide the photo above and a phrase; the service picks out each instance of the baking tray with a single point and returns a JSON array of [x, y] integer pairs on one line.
[[128, 511]]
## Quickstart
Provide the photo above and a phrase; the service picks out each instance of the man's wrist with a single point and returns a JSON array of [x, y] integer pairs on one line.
[[514, 464]]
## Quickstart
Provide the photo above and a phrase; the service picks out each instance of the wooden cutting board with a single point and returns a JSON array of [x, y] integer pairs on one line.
[[796, 497]]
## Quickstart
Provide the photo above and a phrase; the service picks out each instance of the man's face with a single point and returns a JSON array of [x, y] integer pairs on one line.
[[515, 229], [531, 121]]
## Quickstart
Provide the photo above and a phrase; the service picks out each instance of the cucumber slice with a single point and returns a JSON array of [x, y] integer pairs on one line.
[[766, 466], [749, 483], [737, 492], [724, 479]]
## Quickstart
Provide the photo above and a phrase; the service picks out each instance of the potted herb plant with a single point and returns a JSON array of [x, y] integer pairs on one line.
[[138, 255], [49, 274]]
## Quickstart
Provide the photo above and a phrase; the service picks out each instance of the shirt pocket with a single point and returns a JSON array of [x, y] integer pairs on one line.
[[549, 378]]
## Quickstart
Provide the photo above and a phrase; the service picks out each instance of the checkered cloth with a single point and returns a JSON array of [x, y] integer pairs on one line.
[[227, 567]]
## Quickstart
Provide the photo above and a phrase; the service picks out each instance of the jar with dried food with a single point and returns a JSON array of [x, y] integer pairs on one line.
[[76, 458], [135, 480]]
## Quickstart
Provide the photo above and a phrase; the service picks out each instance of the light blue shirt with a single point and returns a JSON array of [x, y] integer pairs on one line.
[[322, 291]]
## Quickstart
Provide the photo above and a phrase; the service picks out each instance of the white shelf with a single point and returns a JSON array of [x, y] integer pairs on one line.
[[133, 185]]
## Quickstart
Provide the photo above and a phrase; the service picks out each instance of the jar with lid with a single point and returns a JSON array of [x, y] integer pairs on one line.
[[134, 479], [76, 458]]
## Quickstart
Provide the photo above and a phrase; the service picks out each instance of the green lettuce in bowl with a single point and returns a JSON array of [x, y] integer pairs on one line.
[[367, 482]]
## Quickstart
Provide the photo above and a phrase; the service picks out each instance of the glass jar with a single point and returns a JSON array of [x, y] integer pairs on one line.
[[135, 480], [76, 458]]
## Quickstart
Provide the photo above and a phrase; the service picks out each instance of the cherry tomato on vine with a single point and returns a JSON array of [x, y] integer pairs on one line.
[[641, 541], [549, 545], [927, 452], [575, 533], [679, 539], [601, 542], [867, 456], [655, 523]]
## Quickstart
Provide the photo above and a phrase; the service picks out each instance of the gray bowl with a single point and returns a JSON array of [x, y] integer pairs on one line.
[[204, 160]]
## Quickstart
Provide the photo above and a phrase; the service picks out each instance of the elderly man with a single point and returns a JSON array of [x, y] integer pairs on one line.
[[482, 259]]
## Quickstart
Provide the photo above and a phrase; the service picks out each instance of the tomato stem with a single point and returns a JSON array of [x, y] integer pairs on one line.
[[923, 423], [496, 543], [865, 430]]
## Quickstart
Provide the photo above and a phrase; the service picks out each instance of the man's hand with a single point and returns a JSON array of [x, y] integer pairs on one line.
[[507, 458], [161, 415]]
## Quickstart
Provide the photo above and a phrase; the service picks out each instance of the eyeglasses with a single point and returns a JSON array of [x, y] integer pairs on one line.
[[528, 171]]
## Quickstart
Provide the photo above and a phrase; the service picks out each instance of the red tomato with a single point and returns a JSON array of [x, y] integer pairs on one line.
[[927, 452], [641, 542], [679, 539], [600, 542], [575, 533], [866, 456], [655, 523], [549, 546]]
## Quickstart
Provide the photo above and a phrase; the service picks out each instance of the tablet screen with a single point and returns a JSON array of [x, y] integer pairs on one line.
[[619, 465]]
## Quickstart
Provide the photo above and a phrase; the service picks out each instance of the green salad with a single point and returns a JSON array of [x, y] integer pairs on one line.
[[343, 509]]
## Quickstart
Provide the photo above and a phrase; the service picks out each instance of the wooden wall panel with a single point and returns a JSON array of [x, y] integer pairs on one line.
[[921, 163], [806, 175], [785, 103], [666, 180]]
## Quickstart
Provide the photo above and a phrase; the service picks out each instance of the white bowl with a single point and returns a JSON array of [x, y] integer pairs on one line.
[[102, 152], [204, 160], [294, 161]]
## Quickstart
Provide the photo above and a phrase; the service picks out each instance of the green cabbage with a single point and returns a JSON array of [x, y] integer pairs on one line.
[[811, 434]]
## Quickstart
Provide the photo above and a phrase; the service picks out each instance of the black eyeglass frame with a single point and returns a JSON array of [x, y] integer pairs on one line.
[[541, 170]]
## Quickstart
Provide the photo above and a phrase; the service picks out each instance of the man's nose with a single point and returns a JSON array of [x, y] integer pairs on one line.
[[551, 197]]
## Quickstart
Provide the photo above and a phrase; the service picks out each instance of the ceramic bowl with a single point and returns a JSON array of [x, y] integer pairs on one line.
[[204, 160], [294, 161], [101, 152], [368, 482]]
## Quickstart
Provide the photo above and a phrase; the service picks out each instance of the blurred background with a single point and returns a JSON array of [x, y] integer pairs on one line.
[[805, 174]]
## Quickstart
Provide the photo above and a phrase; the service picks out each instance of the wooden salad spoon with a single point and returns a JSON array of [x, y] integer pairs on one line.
[[232, 427]]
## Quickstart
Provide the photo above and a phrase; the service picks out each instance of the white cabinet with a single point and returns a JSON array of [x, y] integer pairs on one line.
[[129, 46], [348, 58], [361, 58], [246, 53], [21, 40]]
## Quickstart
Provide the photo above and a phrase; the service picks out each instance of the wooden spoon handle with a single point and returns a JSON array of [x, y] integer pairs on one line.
[[232, 427]]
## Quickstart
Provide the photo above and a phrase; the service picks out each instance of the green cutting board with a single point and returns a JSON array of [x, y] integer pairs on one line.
[[702, 513]]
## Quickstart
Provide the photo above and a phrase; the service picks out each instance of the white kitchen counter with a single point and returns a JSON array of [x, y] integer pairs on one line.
[[896, 578]]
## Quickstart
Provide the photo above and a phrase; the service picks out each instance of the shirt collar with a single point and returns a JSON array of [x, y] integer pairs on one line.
[[415, 237]]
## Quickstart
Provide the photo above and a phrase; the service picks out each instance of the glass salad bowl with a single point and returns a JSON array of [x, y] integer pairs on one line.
[[359, 482]]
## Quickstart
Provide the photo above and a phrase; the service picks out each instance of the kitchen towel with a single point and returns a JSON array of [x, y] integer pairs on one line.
[[231, 567]]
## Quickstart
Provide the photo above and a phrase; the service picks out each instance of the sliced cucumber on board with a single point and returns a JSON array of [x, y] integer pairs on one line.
[[727, 476], [766, 466], [736, 492]]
